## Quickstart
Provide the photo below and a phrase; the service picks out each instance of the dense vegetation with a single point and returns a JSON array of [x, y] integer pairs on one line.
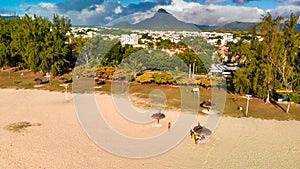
[[35, 43], [98, 55], [109, 59], [41, 45], [273, 63], [38, 44]]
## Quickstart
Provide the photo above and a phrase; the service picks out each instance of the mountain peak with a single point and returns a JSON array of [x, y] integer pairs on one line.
[[162, 20], [162, 11]]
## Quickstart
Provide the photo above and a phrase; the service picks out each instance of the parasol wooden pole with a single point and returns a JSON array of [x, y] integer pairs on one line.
[[248, 98], [66, 92]]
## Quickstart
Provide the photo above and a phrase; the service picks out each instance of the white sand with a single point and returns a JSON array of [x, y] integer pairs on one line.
[[60, 141]]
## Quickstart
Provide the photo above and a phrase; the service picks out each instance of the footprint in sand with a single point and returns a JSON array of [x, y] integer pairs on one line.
[[294, 150]]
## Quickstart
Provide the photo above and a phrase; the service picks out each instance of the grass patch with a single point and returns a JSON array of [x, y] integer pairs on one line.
[[139, 94], [20, 126], [25, 80], [257, 107]]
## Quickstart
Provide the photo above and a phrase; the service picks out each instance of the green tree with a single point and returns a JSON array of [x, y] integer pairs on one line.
[[272, 63], [5, 40], [190, 58], [284, 61], [242, 82], [35, 43]]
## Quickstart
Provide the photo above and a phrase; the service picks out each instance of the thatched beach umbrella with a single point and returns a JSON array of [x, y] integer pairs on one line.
[[38, 80], [158, 116], [99, 81], [63, 79], [209, 105], [201, 130]]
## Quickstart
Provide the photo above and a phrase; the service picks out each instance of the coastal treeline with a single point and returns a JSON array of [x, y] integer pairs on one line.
[[35, 43], [272, 63]]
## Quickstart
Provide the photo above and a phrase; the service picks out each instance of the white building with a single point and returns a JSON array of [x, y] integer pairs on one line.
[[223, 69], [132, 39]]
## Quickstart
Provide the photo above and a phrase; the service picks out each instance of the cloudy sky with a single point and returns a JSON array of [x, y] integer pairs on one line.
[[106, 12]]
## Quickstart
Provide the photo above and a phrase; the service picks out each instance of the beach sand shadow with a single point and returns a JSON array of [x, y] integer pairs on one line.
[[277, 105]]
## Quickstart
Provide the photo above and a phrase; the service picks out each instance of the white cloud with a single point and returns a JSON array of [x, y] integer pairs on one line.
[[133, 18], [93, 15], [286, 11], [108, 18], [99, 9], [296, 2], [138, 17], [213, 1], [118, 10], [192, 12], [43, 9], [293, 2], [212, 14], [47, 5]]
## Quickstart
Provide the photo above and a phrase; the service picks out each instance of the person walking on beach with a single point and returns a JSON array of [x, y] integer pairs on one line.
[[194, 137], [169, 126]]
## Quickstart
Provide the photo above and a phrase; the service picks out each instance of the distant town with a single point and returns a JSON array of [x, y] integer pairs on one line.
[[135, 38], [212, 37]]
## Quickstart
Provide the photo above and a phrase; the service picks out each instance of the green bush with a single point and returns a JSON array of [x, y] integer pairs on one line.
[[158, 78], [163, 78], [296, 97], [145, 78]]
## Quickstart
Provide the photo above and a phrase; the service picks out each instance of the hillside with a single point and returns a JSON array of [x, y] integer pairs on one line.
[[7, 17], [238, 26], [162, 20], [234, 26]]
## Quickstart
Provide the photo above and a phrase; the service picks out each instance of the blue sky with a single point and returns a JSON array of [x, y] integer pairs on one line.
[[263, 4], [102, 12], [17, 3]]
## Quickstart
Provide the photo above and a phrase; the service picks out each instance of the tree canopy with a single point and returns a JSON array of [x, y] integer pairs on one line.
[[35, 43], [272, 63]]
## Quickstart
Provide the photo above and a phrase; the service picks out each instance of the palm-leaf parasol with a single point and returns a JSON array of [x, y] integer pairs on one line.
[[63, 79], [209, 105], [201, 130], [158, 116], [38, 80]]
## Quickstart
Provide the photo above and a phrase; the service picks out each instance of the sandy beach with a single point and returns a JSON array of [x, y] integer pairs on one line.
[[60, 142]]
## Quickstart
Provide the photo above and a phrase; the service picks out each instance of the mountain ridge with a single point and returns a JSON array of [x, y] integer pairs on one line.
[[232, 26], [7, 16], [163, 20], [239, 26]]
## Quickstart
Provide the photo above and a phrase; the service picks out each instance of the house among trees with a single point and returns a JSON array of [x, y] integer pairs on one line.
[[223, 69]]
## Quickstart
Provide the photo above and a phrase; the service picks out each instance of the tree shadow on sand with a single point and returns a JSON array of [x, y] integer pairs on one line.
[[277, 105]]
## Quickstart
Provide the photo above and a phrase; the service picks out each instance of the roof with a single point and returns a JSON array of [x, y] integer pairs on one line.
[[218, 68]]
